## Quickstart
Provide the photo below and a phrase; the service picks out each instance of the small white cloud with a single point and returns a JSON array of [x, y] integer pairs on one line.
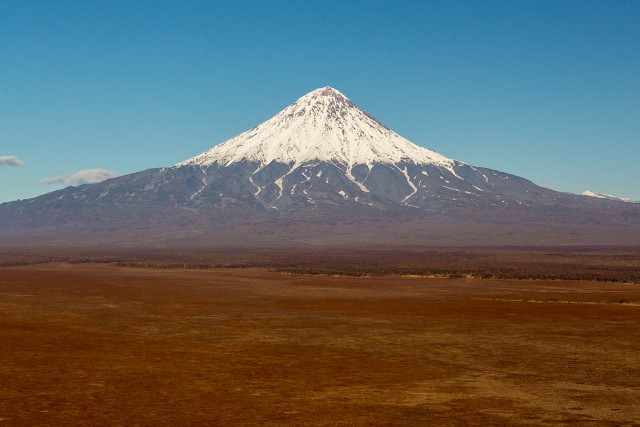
[[52, 181], [10, 161], [86, 176], [90, 176]]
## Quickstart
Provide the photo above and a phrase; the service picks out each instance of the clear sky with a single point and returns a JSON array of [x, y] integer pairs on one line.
[[548, 90]]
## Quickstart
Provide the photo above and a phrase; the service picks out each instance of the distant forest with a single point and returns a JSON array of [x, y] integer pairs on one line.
[[595, 263]]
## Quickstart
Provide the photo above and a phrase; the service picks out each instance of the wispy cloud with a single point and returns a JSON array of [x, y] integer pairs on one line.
[[10, 161], [85, 176], [90, 176], [54, 180]]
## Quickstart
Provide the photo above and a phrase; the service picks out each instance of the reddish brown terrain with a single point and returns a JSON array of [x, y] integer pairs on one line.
[[99, 344]]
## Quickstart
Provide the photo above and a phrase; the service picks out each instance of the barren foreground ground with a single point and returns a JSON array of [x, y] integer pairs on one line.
[[102, 345]]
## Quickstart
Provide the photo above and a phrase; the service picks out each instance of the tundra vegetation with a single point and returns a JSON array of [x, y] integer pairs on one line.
[[404, 337]]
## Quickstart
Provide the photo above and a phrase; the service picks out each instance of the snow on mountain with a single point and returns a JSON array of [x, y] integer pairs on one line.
[[321, 169], [324, 125], [323, 149], [590, 193]]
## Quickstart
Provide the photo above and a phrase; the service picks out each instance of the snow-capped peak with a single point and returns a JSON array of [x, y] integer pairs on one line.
[[606, 196], [323, 125]]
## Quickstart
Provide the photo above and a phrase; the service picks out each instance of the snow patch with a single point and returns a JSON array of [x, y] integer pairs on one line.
[[259, 189], [590, 193], [411, 184], [204, 185], [352, 179]]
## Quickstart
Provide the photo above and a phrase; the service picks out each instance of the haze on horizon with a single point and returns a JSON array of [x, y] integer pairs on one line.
[[547, 91]]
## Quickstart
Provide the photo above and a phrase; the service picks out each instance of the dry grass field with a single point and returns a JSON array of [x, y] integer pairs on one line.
[[88, 344]]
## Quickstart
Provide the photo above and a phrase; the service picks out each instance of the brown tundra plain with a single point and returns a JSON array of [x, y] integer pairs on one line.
[[105, 344]]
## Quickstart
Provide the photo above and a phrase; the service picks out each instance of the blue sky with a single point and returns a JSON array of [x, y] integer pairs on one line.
[[548, 90]]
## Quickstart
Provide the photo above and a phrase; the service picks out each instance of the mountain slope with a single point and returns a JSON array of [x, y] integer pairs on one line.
[[324, 149], [331, 172]]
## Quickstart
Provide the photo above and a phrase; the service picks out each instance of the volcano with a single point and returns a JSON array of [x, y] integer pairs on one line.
[[320, 172]]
